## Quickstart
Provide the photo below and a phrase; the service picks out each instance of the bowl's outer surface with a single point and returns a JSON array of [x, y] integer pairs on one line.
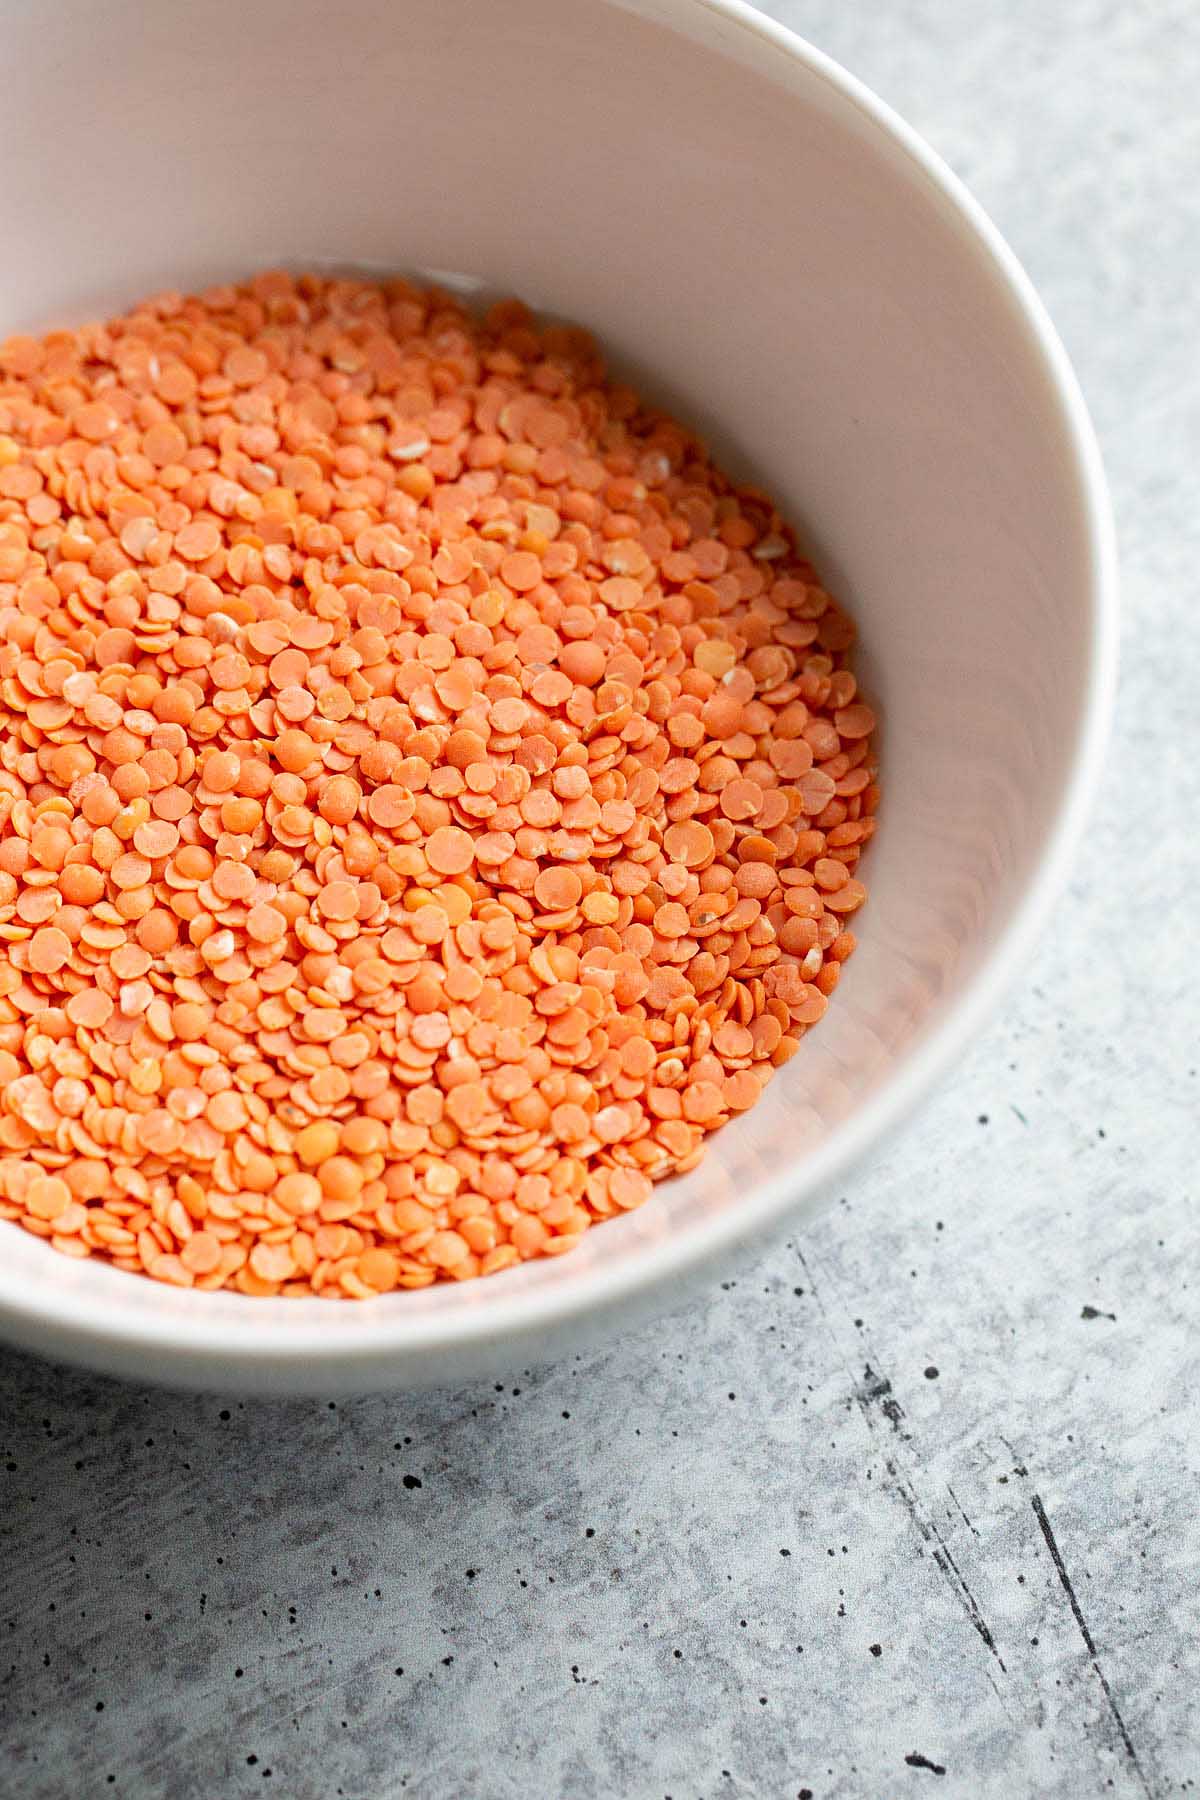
[[737, 216]]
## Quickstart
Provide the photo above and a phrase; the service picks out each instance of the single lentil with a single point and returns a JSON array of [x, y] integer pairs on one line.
[[431, 792]]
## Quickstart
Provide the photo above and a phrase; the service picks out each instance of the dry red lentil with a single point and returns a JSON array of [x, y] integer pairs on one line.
[[431, 792]]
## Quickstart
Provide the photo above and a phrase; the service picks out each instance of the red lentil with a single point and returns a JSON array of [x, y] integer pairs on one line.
[[431, 792]]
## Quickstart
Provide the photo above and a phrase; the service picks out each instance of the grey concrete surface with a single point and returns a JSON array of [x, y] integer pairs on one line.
[[911, 1507]]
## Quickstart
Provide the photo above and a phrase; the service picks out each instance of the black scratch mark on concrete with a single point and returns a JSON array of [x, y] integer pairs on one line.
[[862, 1394], [962, 1510], [1060, 1569], [915, 1760], [865, 1394], [1018, 1462], [878, 1388], [873, 1387], [946, 1563], [1094, 1312], [813, 1289], [944, 1559], [995, 1687]]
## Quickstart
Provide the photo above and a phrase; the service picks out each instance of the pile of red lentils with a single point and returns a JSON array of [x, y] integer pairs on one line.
[[430, 791]]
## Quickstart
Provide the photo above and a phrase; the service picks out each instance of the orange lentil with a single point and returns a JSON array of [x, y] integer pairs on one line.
[[428, 810]]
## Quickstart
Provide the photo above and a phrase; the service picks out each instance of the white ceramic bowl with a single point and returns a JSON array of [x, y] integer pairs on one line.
[[780, 258]]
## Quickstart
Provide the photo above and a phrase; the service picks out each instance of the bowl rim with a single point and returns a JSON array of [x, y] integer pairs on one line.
[[101, 1331]]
